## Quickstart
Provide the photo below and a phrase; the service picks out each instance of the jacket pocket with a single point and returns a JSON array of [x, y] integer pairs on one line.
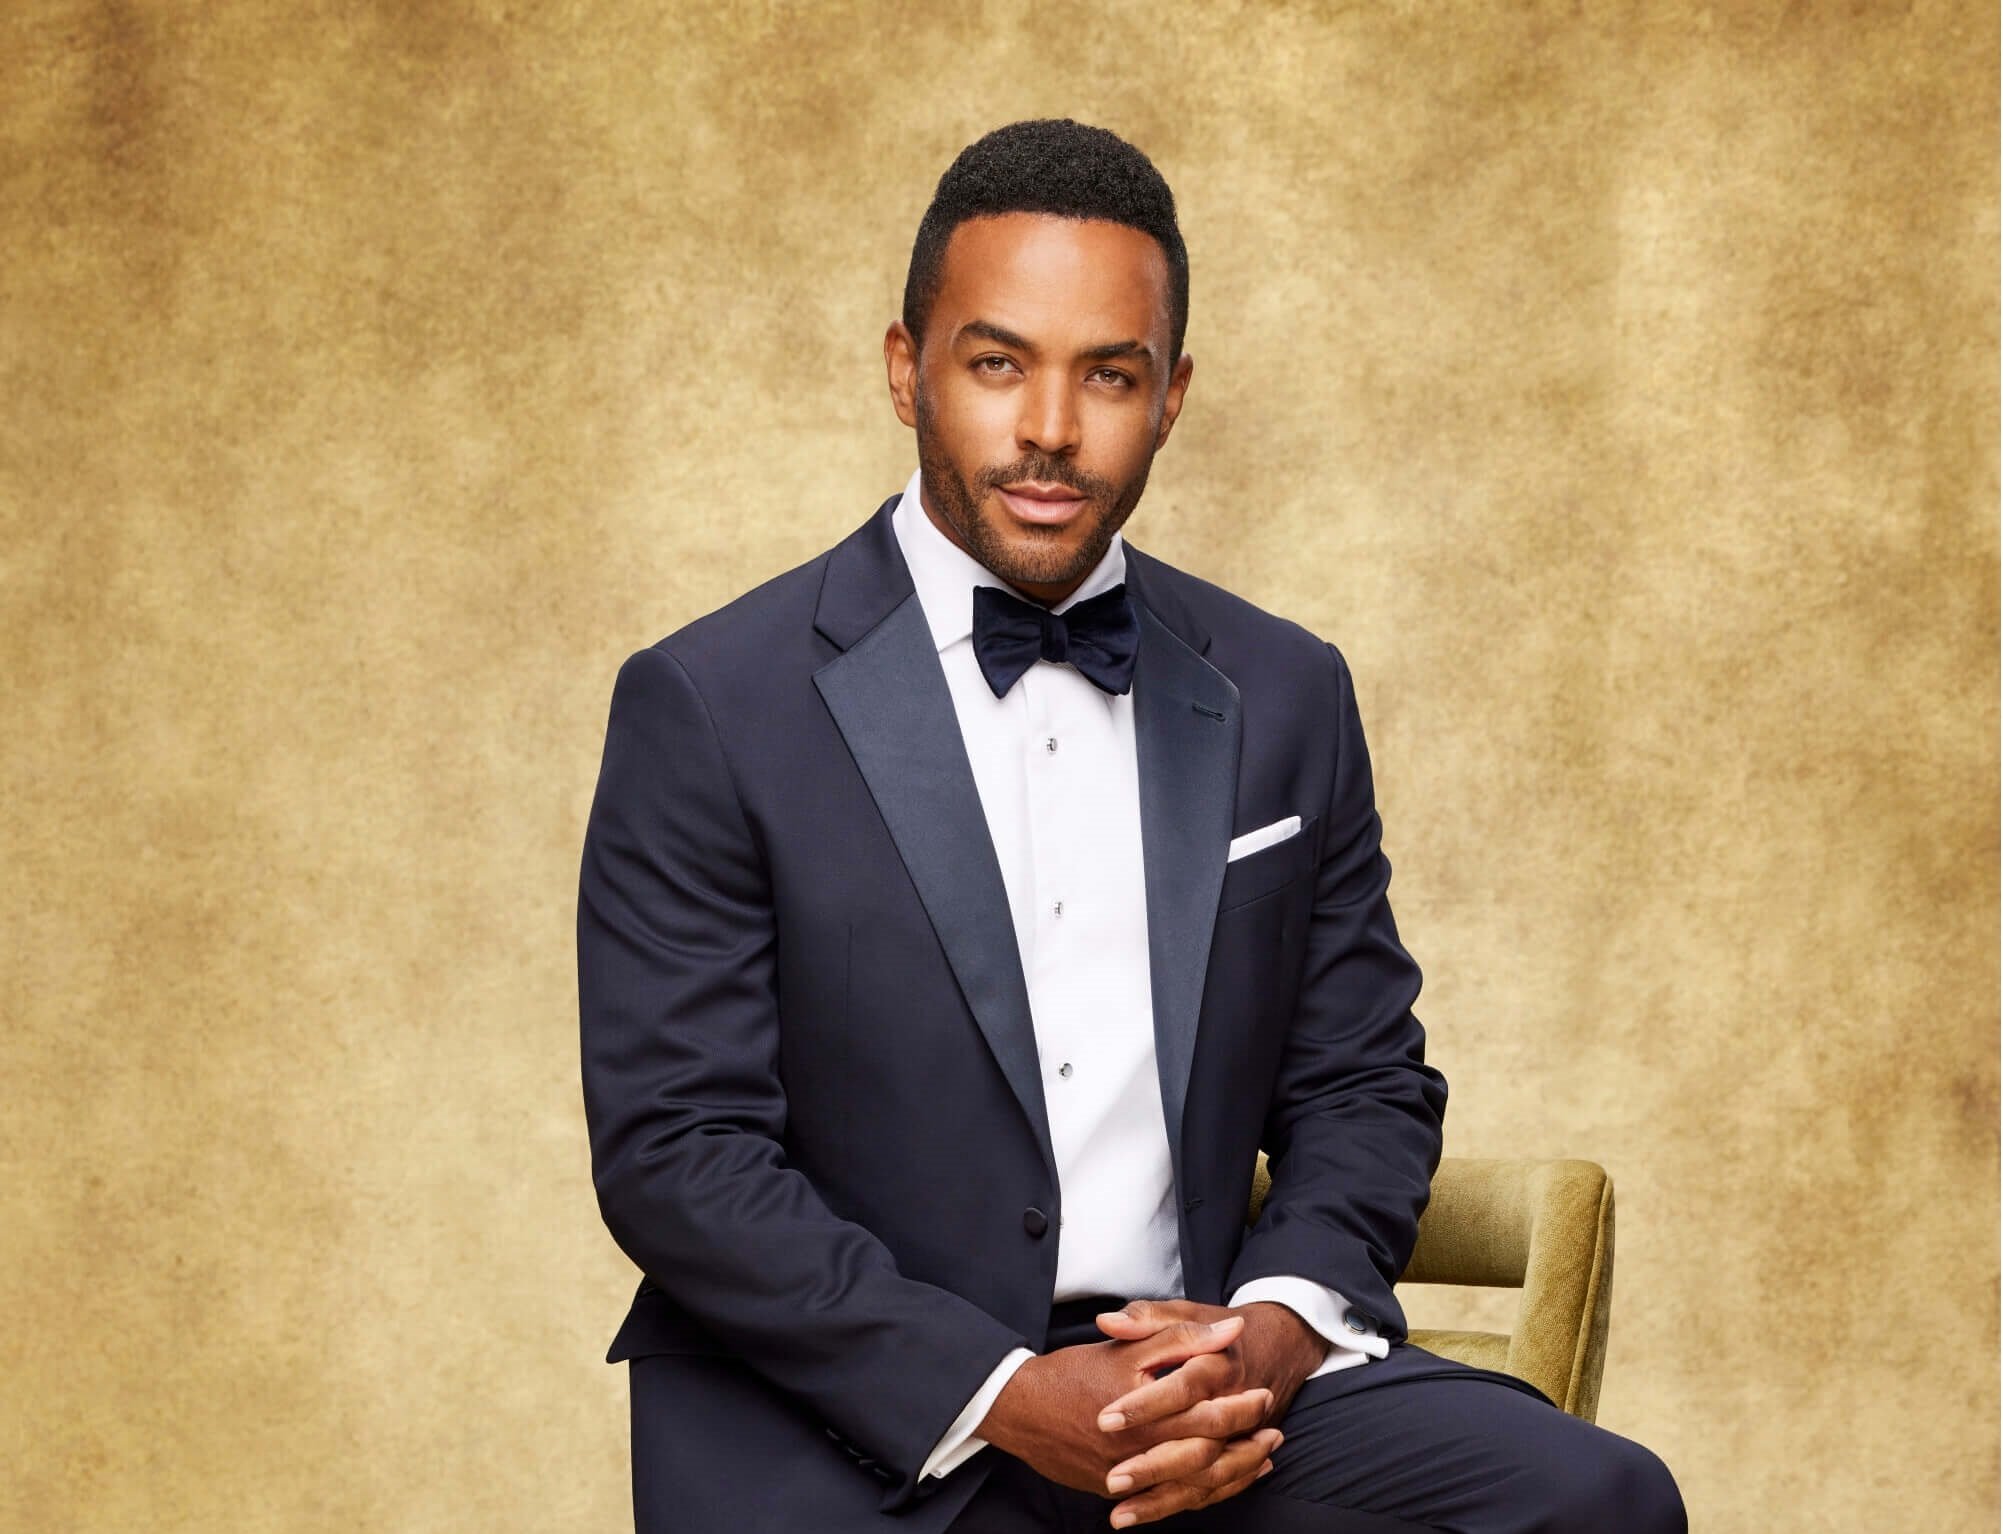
[[1258, 874]]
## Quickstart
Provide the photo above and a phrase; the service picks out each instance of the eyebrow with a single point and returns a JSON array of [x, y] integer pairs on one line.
[[1004, 337]]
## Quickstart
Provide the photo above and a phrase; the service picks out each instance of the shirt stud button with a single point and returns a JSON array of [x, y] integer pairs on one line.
[[1050, 743], [1064, 1069], [1057, 908]]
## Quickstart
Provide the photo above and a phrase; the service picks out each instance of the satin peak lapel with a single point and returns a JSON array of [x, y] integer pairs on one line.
[[889, 698], [1186, 731]]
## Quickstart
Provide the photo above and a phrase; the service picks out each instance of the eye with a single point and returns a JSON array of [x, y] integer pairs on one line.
[[1113, 376], [980, 364]]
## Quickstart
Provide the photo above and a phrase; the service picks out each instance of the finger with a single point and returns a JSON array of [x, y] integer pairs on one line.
[[1189, 1410], [1173, 1459], [1139, 1318], [1238, 1465], [1240, 1462], [1184, 1390], [1181, 1459], [1186, 1339], [1210, 1370], [1220, 1417], [1185, 1385]]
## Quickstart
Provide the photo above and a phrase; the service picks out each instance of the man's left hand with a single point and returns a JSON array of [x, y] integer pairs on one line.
[[1276, 1349]]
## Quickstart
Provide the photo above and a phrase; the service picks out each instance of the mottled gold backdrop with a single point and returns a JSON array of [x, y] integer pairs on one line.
[[1616, 385]]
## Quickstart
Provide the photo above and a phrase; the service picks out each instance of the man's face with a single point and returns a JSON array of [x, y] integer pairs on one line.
[[1042, 392]]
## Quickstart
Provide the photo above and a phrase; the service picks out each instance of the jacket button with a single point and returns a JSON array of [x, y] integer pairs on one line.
[[1355, 1320], [1035, 1221]]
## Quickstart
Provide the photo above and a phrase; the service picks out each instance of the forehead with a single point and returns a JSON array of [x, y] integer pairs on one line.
[[1054, 279]]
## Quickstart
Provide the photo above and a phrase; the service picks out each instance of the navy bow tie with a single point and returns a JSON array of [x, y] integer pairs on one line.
[[1099, 636]]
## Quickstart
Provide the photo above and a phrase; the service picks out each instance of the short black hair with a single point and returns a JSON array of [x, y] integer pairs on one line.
[[1049, 165]]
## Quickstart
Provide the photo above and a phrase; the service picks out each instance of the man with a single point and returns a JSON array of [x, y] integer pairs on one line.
[[961, 912]]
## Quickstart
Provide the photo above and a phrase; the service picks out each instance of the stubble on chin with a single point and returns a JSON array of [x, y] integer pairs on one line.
[[1044, 562]]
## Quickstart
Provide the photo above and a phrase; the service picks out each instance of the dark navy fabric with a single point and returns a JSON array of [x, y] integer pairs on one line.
[[809, 1069], [1408, 1444], [1411, 1442]]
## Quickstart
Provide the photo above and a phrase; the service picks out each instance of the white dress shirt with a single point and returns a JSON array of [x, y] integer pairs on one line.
[[1057, 772]]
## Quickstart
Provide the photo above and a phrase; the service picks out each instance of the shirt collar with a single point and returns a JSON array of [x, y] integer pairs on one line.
[[945, 574]]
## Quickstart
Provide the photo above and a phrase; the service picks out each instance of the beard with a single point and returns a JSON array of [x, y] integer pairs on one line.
[[1045, 561]]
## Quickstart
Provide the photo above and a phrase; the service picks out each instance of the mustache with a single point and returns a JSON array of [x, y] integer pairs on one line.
[[1044, 473]]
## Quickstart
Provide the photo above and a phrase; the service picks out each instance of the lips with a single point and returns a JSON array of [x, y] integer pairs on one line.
[[1048, 504]]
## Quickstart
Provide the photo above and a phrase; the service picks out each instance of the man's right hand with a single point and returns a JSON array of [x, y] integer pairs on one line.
[[1047, 1416]]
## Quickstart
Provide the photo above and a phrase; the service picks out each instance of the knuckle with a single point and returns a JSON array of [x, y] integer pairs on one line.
[[1199, 1420], [1221, 1371]]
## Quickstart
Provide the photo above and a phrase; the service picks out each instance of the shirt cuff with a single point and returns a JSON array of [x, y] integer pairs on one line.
[[959, 1444], [1322, 1308]]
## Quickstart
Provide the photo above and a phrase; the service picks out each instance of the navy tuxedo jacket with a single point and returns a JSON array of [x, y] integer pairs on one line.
[[810, 1077]]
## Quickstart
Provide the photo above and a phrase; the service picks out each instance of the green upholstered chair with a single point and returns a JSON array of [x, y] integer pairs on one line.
[[1544, 1227]]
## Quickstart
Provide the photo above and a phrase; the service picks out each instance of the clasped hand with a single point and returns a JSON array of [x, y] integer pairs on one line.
[[1095, 1417]]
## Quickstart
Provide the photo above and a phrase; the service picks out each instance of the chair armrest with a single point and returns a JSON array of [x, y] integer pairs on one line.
[[1544, 1227]]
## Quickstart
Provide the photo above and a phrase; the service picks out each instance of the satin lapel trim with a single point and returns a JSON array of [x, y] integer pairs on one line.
[[889, 698], [1186, 733]]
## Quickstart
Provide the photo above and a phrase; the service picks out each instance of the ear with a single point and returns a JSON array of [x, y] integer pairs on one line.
[[900, 361], [1178, 385]]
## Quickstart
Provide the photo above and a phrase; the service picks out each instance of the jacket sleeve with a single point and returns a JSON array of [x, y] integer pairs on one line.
[[1353, 1132], [686, 1114], [960, 1442]]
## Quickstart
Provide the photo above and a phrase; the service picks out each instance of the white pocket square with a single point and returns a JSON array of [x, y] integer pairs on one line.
[[1265, 836]]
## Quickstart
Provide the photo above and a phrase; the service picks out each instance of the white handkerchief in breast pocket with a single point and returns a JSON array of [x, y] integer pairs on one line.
[[1265, 836]]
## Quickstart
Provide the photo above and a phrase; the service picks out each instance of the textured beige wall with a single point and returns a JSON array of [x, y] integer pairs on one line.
[[1616, 385]]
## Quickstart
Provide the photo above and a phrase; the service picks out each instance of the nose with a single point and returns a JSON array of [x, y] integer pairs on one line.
[[1049, 419]]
